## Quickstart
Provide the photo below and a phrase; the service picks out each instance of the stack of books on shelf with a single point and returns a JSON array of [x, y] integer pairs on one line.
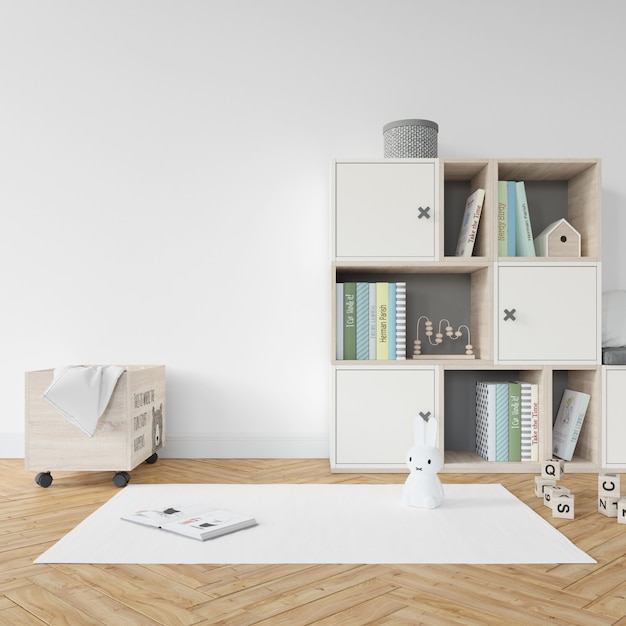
[[507, 421], [371, 321], [515, 233]]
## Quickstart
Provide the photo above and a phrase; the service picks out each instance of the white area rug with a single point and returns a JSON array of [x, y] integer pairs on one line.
[[323, 524]]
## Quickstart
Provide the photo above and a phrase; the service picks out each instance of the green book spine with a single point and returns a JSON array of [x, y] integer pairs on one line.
[[349, 321], [503, 218], [515, 422]]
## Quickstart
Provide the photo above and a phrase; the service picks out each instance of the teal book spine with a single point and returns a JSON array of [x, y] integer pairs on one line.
[[349, 321], [511, 213], [524, 241], [503, 218], [502, 422], [392, 321], [372, 321], [515, 422], [362, 321]]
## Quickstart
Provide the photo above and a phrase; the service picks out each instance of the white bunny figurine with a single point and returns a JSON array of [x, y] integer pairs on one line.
[[423, 488]]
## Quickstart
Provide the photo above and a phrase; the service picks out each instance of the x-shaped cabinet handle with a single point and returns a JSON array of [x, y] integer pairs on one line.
[[509, 315]]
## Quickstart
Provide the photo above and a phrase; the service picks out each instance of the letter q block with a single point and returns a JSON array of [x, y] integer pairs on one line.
[[553, 468]]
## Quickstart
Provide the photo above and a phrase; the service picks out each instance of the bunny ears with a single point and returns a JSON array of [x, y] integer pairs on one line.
[[426, 430]]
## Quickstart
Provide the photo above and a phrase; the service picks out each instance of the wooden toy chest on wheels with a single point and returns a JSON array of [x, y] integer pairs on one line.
[[130, 431]]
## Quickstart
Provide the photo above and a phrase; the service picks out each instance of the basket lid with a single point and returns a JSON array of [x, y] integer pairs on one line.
[[397, 123]]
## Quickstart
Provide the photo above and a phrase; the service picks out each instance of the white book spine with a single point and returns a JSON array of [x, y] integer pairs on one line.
[[526, 407], [339, 322], [400, 321]]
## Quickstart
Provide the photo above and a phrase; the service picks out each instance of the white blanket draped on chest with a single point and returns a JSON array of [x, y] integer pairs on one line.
[[82, 393]]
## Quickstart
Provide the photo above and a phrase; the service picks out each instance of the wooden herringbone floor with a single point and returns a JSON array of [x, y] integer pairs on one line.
[[33, 518]]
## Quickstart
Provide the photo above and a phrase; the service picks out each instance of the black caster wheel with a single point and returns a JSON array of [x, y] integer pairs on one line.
[[44, 479], [121, 479], [152, 459]]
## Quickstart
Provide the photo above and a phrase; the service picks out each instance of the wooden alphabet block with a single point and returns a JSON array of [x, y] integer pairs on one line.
[[621, 511], [607, 506], [553, 491], [553, 468], [563, 506], [541, 483], [609, 485]]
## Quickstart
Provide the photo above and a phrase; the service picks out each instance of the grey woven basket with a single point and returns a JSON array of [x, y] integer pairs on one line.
[[411, 139]]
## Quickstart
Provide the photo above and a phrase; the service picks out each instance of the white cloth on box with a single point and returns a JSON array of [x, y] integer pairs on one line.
[[82, 393]]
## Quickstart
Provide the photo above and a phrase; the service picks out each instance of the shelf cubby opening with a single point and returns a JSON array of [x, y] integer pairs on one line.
[[459, 408], [460, 180], [567, 189], [587, 452], [462, 297]]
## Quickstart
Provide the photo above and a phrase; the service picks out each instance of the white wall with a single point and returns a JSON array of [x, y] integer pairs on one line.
[[164, 178]]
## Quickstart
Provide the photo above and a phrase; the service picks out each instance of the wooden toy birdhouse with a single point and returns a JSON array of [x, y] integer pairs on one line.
[[558, 239]]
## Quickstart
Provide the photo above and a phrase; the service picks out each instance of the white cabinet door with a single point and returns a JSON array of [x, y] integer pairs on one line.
[[547, 313], [614, 432], [386, 209], [374, 412]]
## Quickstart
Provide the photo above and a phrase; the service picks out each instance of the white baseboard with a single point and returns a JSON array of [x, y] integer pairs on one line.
[[214, 446], [237, 446], [11, 445]]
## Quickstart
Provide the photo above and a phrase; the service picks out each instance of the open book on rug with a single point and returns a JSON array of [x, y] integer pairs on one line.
[[192, 522]]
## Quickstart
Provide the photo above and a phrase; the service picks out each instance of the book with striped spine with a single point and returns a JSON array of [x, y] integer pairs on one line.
[[372, 321], [526, 417], [400, 321], [502, 422], [534, 422], [486, 420], [492, 420], [362, 321]]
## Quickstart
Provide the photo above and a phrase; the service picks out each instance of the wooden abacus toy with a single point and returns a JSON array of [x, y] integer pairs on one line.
[[450, 333]]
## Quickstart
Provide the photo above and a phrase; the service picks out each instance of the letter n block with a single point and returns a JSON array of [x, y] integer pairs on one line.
[[563, 506], [609, 485], [553, 468], [621, 511], [541, 484], [607, 506]]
